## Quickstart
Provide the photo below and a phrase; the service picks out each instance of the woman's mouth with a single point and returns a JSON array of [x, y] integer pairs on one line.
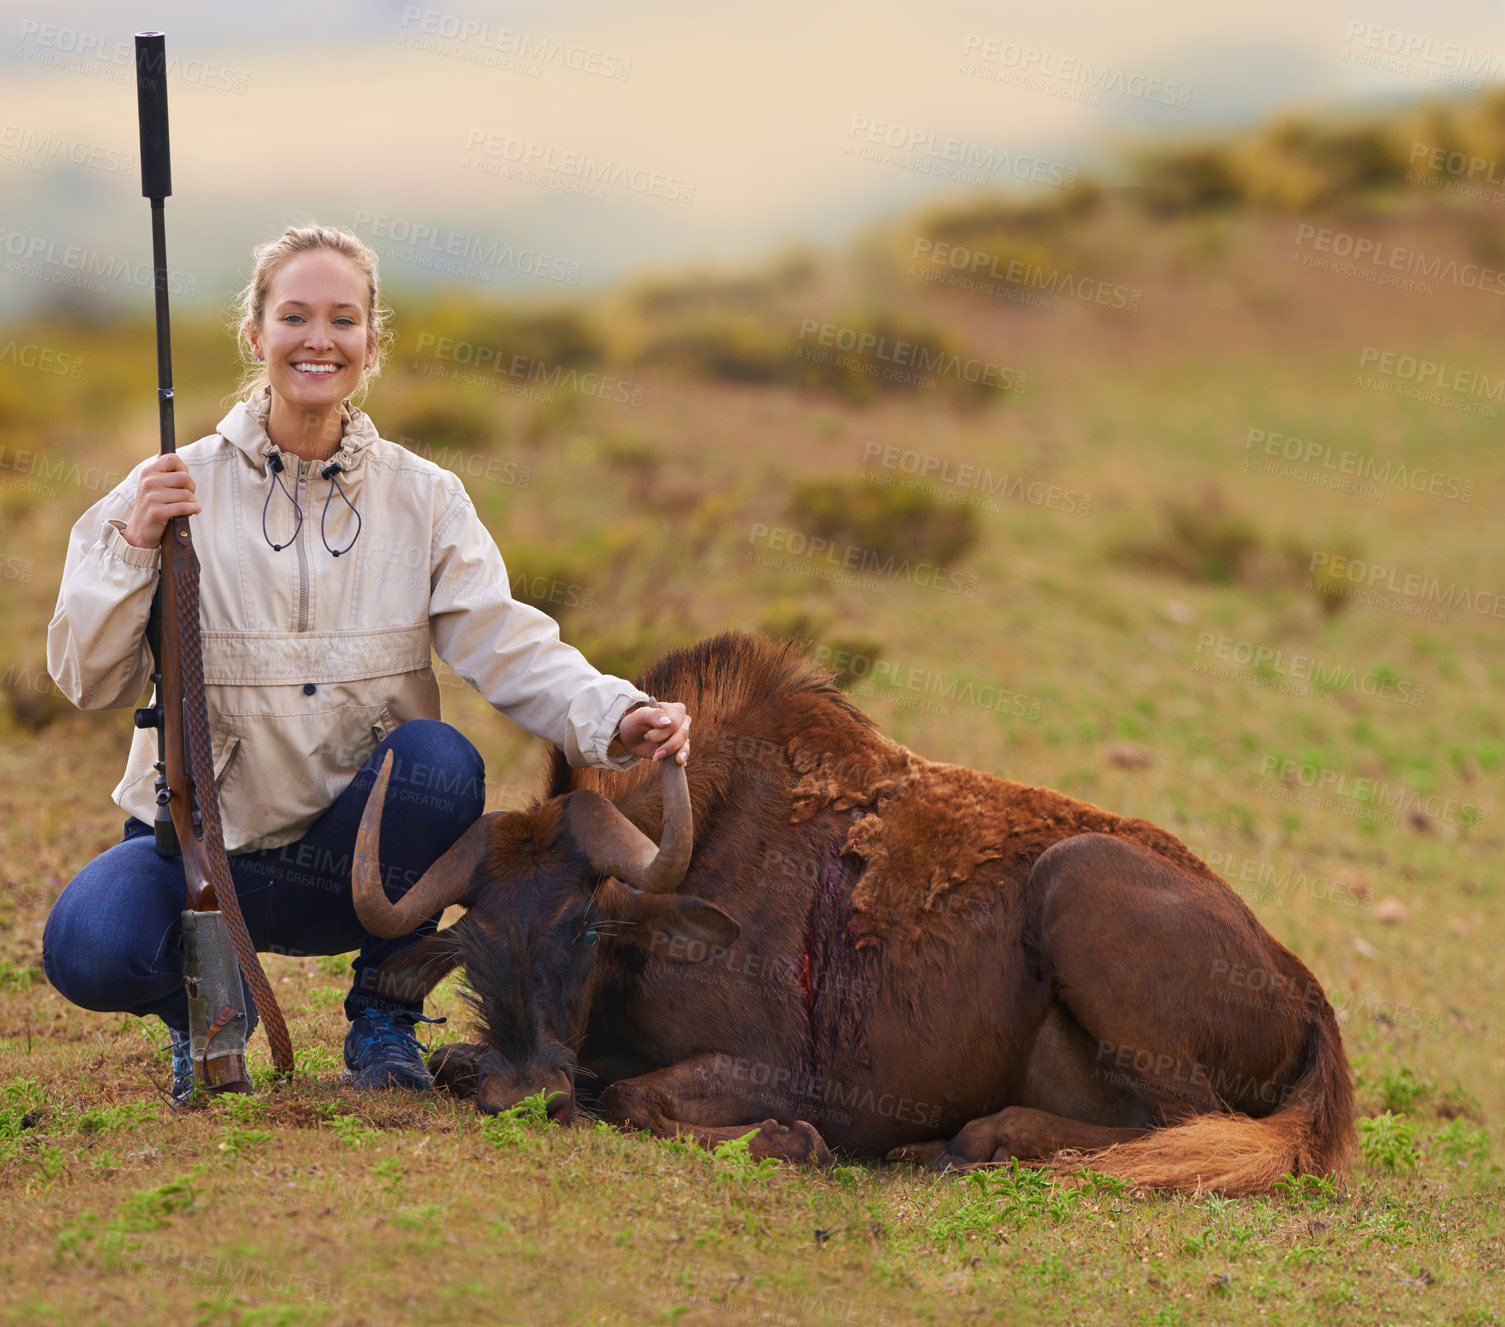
[[314, 370]]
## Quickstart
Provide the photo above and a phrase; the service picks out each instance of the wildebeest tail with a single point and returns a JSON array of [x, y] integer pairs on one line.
[[1310, 1133]]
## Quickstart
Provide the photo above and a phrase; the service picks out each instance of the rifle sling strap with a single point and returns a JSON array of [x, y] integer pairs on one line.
[[196, 732]]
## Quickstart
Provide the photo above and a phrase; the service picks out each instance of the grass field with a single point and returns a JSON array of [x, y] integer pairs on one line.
[[1156, 610]]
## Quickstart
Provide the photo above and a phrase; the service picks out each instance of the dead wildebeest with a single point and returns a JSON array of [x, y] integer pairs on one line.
[[869, 950]]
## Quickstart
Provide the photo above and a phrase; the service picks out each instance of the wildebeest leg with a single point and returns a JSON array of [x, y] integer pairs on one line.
[[696, 1098], [1134, 949], [1030, 1135], [455, 1066]]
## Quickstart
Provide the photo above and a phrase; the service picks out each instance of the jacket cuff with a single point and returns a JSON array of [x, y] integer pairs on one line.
[[112, 538], [600, 748]]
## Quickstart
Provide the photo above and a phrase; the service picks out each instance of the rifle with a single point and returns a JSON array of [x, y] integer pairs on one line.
[[187, 820]]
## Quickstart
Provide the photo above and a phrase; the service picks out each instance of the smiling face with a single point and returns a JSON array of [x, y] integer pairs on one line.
[[315, 338]]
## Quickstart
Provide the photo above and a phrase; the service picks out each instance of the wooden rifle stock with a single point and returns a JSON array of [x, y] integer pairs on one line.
[[186, 790]]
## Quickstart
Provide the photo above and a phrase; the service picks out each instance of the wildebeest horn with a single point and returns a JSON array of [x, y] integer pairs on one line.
[[446, 881], [618, 847]]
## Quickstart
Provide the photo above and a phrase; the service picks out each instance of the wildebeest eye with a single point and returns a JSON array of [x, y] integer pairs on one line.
[[588, 937]]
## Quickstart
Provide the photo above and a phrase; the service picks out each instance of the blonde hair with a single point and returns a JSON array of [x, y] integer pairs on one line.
[[250, 304]]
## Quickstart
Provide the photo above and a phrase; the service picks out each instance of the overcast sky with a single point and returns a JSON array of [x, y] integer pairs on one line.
[[534, 147]]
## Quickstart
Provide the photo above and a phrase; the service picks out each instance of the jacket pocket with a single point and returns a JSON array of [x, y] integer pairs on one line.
[[230, 745], [382, 725]]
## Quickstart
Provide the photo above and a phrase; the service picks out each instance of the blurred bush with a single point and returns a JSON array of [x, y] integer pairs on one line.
[[773, 326], [1174, 181], [891, 522], [1204, 540]]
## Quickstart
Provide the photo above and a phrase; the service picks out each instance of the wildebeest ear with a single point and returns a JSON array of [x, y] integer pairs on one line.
[[411, 975], [677, 927]]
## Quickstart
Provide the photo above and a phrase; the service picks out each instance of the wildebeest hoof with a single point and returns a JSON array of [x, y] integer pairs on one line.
[[950, 1161], [456, 1067], [799, 1142], [918, 1154]]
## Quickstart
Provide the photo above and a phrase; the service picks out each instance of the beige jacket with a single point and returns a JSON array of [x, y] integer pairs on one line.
[[310, 660]]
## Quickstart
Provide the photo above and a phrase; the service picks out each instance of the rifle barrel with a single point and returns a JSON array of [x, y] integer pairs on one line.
[[156, 184]]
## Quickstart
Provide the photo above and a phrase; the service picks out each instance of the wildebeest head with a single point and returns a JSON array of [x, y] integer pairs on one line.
[[550, 893]]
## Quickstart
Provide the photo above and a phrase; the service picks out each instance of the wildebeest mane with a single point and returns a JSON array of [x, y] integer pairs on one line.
[[766, 715], [742, 690]]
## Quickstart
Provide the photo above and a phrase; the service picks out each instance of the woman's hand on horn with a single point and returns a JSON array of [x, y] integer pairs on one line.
[[656, 732]]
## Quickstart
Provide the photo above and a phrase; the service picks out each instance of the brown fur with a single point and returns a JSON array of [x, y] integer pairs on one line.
[[1085, 934]]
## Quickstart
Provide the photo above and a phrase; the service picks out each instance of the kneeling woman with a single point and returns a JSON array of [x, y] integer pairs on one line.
[[317, 633]]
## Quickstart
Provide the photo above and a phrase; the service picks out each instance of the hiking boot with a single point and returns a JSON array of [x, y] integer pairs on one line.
[[382, 1050]]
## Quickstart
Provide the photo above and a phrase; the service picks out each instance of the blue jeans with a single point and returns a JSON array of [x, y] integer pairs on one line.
[[113, 941]]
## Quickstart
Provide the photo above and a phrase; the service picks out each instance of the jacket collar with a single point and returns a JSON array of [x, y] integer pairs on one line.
[[245, 428]]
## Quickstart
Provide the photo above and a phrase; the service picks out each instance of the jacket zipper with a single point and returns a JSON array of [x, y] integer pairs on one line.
[[302, 552]]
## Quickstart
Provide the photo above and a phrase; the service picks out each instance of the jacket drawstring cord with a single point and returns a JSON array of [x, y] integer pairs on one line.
[[332, 473], [274, 460]]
